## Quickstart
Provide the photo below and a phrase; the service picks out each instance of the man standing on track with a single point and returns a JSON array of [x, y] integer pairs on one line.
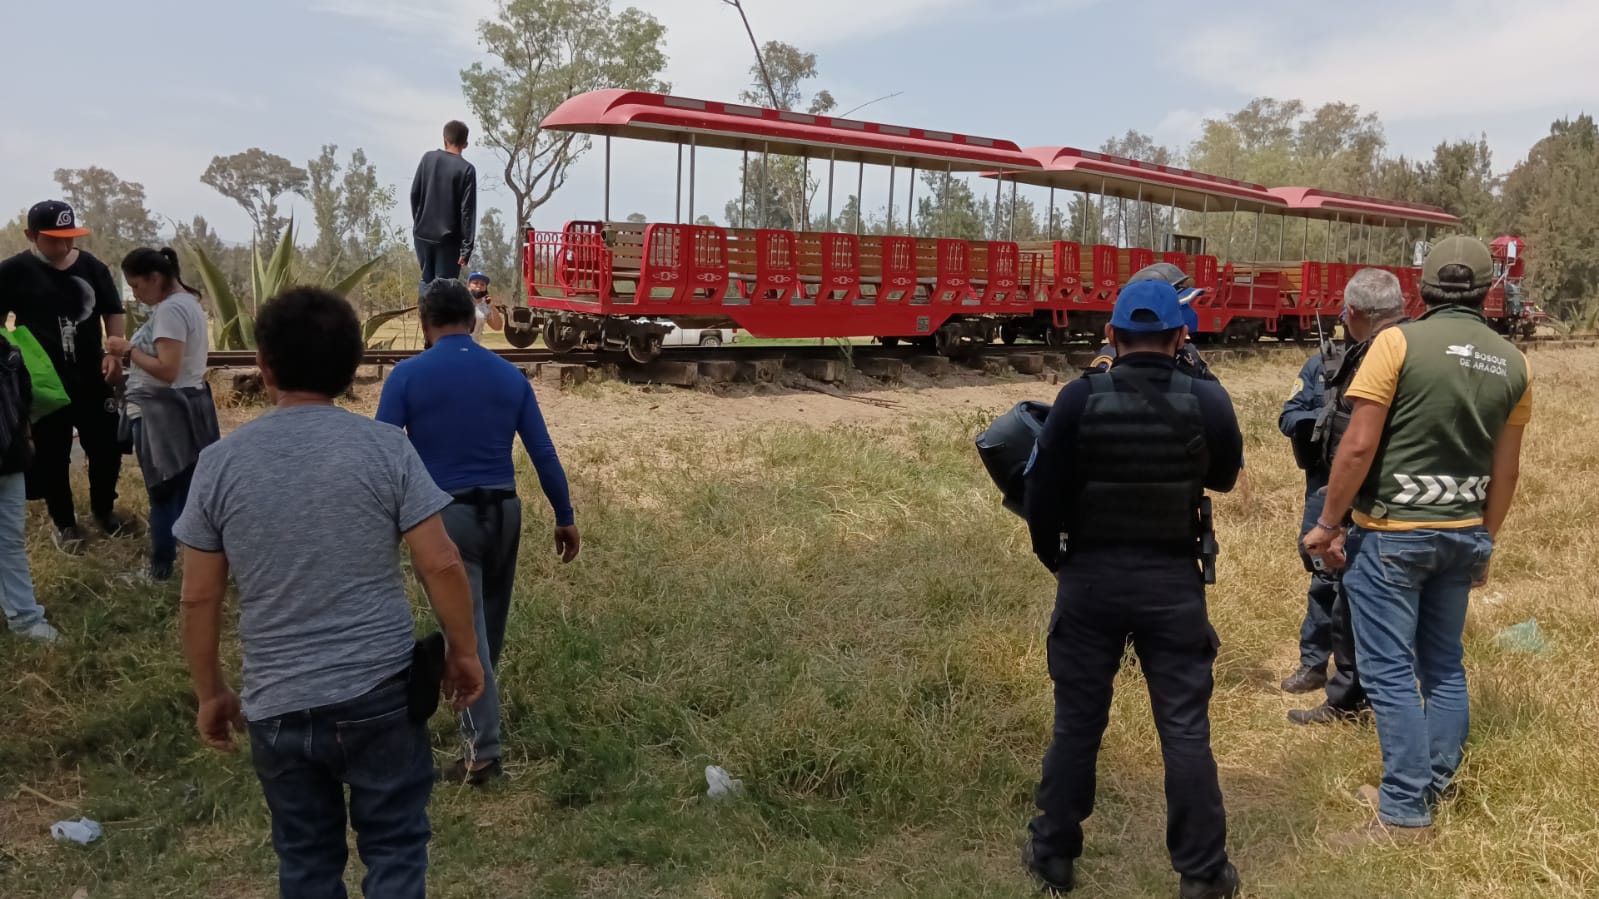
[[67, 299], [1429, 466], [462, 406], [1114, 505], [444, 207]]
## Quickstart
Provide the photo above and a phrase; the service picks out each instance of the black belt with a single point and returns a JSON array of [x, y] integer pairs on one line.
[[485, 501]]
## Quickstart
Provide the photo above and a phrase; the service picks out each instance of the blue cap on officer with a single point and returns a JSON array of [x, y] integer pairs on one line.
[[1147, 307], [477, 276]]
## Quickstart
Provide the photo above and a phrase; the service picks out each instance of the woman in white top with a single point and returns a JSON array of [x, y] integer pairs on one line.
[[166, 359]]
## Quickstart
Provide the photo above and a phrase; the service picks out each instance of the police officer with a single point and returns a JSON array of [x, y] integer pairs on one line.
[[1113, 502], [1298, 424], [1374, 301], [1188, 359]]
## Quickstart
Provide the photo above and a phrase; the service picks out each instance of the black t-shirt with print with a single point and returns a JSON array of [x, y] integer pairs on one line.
[[64, 309]]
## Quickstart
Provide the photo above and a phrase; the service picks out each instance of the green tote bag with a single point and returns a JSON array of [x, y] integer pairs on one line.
[[49, 395]]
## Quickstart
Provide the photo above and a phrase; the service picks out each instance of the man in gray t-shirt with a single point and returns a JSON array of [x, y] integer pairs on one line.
[[306, 507]]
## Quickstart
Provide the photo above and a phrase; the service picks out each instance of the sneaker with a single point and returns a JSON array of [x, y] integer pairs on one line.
[[1222, 886], [1305, 680], [69, 540], [458, 773], [1054, 873], [1324, 714], [114, 525], [41, 631]]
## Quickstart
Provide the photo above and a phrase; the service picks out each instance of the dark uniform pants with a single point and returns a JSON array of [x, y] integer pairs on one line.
[[1106, 600], [49, 476], [1327, 629]]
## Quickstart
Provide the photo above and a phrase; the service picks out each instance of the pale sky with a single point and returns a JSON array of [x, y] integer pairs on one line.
[[153, 89]]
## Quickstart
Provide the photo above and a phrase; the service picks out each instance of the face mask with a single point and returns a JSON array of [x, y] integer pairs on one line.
[[479, 294]]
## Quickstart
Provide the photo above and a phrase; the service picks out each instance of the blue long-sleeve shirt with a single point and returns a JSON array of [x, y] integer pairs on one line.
[[462, 405], [1299, 414]]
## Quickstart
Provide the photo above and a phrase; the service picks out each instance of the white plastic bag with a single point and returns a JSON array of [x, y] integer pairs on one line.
[[80, 831], [719, 784]]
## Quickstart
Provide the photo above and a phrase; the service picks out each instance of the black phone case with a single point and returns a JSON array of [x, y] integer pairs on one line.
[[426, 678]]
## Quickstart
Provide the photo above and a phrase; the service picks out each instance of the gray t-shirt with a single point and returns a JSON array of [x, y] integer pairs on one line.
[[178, 317], [309, 504]]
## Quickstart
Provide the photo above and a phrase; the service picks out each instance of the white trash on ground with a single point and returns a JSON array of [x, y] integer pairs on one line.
[[720, 784], [80, 831]]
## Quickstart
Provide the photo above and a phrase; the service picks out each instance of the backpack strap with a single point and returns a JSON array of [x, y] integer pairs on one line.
[[1102, 382]]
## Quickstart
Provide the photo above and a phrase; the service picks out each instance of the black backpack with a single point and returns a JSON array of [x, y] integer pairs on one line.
[[16, 398]]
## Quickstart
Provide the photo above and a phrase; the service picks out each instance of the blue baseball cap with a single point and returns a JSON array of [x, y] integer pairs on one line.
[[478, 276], [1158, 302]]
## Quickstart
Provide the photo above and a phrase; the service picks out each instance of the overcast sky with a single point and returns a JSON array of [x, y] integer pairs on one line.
[[154, 89]]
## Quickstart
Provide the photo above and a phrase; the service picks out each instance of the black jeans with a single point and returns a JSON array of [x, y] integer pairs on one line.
[[1108, 598], [438, 260], [306, 759], [488, 532], [49, 477]]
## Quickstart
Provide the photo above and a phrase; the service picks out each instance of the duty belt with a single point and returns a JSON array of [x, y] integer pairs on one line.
[[485, 501]]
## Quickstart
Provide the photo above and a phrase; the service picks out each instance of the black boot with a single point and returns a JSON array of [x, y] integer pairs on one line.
[[1054, 873], [1305, 680], [1222, 886], [1324, 714]]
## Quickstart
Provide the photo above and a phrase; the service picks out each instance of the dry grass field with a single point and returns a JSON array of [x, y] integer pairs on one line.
[[826, 599]]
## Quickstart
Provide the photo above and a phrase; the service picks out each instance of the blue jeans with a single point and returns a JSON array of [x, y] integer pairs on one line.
[[305, 760], [438, 260], [1315, 633], [16, 585], [166, 505], [1408, 592]]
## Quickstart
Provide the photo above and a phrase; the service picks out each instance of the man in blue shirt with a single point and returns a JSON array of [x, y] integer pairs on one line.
[[1298, 422], [462, 406]]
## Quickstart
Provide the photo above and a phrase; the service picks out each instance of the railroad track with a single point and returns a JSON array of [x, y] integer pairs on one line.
[[246, 359]]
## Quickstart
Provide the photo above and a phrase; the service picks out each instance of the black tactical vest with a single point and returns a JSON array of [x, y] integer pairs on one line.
[[1143, 475], [1339, 372]]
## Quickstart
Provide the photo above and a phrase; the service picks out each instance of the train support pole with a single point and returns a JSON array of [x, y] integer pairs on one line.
[[892, 170], [910, 204], [999, 193], [744, 192], [832, 163], [677, 206], [860, 186], [607, 177], [1049, 228], [1012, 211], [693, 145]]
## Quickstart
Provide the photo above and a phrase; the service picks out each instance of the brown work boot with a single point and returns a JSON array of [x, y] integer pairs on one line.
[[1379, 833]]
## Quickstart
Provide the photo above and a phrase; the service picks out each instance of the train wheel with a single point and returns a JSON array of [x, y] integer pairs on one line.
[[1008, 334], [888, 341], [945, 341], [560, 339], [521, 338], [642, 348]]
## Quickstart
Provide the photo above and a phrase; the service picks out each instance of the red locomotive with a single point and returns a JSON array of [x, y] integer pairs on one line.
[[612, 285]]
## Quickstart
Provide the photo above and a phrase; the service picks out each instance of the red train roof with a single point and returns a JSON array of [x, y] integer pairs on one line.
[[644, 116], [1098, 173], [1311, 202]]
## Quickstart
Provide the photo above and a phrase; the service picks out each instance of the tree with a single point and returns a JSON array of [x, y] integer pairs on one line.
[[496, 254], [776, 193], [256, 180], [352, 212], [1461, 178], [197, 237], [1134, 222], [111, 208], [14, 239], [323, 192], [544, 52], [1554, 195], [637, 218]]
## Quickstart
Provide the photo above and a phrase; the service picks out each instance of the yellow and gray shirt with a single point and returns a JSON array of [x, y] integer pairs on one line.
[[1451, 385]]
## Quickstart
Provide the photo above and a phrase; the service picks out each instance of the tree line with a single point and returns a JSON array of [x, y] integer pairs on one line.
[[538, 53]]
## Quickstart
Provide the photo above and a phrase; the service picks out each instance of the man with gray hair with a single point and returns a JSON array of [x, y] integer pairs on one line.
[[1373, 302], [462, 406]]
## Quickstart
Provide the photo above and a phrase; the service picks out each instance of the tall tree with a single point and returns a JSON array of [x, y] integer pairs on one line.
[[111, 208], [1554, 194], [1460, 178], [496, 255], [365, 208], [1140, 223], [545, 51], [322, 189], [14, 238], [776, 192], [256, 180]]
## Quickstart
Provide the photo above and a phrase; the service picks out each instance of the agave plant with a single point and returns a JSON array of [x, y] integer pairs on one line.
[[269, 277]]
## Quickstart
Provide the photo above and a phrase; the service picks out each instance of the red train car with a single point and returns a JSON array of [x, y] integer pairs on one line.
[[610, 285]]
